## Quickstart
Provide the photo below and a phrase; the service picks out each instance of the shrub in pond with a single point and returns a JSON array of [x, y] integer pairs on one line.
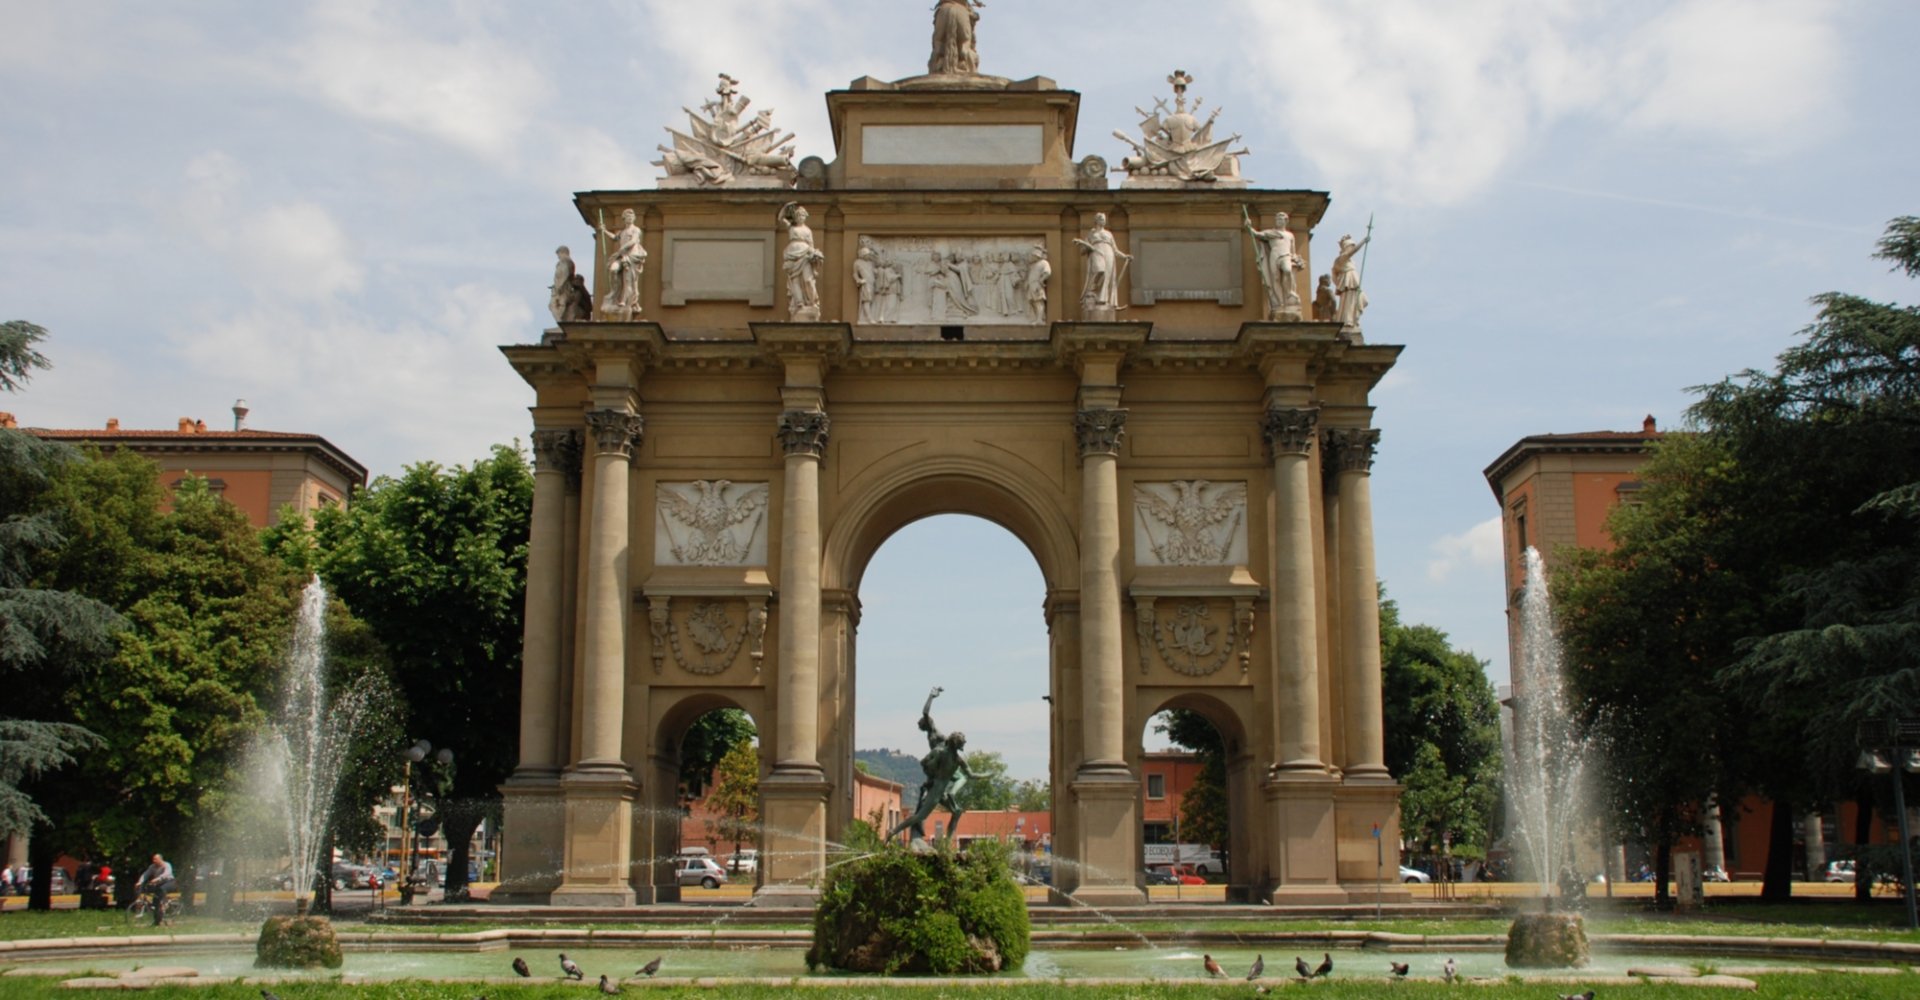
[[297, 943], [891, 910], [1547, 941]]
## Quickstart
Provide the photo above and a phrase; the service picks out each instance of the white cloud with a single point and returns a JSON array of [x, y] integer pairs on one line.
[[1476, 548], [448, 80], [1429, 103], [293, 250]]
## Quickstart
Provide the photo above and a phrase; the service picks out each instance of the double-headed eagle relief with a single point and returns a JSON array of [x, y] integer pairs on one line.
[[712, 523], [1191, 522], [724, 148], [1178, 146]]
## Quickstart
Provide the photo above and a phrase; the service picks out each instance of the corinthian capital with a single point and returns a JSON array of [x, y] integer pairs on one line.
[[556, 451], [1350, 449], [615, 432], [1100, 431], [1289, 432], [804, 432]]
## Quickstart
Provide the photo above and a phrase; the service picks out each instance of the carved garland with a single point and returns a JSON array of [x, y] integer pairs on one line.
[[712, 632], [1185, 641]]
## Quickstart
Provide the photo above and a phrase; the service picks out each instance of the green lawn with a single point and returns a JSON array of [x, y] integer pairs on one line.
[[1782, 987]]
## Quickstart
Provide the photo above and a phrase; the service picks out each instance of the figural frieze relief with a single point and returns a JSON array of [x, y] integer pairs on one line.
[[935, 280], [711, 523], [1177, 149], [1191, 522], [720, 150]]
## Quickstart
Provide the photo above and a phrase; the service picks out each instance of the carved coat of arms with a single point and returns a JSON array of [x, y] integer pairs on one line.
[[1191, 522], [712, 523]]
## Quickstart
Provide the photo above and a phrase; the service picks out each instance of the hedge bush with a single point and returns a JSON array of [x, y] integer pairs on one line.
[[891, 910]]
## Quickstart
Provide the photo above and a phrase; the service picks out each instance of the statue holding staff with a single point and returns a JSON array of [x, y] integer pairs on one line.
[[1273, 252], [1100, 292], [1346, 283], [626, 262], [946, 773]]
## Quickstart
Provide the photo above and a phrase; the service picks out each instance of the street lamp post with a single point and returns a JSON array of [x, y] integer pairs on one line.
[[1889, 747], [409, 836]]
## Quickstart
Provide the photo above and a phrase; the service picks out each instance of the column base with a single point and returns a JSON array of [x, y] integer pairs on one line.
[[1301, 812], [1361, 804], [1107, 796], [785, 895], [533, 842], [793, 822], [599, 822]]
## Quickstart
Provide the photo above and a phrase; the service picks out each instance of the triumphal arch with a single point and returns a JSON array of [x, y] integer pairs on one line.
[[781, 362]]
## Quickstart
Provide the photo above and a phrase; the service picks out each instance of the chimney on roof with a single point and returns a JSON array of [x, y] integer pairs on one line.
[[113, 423], [1648, 426], [186, 425], [240, 412], [7, 422], [199, 427]]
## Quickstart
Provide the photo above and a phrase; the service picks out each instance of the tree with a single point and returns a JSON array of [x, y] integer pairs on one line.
[[1030, 795], [1442, 736], [989, 789], [48, 634], [707, 743], [209, 614], [1204, 815], [435, 563], [735, 798]]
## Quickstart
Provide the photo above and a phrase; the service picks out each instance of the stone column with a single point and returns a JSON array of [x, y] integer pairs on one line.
[[1816, 846], [1290, 435], [1102, 672], [531, 859], [793, 847], [1713, 845], [1108, 795], [599, 789], [1359, 602]]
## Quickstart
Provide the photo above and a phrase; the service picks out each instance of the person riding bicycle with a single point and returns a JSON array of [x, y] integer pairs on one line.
[[157, 881]]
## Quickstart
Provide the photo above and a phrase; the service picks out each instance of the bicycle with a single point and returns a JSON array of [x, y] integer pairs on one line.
[[142, 909]]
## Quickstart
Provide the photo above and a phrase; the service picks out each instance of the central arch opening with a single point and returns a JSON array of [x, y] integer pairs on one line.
[[957, 602]]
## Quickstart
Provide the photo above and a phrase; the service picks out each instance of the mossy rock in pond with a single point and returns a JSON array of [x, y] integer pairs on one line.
[[1547, 941], [297, 943], [890, 910]]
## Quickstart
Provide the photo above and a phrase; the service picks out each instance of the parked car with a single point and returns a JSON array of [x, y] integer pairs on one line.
[[1160, 876], [1181, 874], [702, 872], [62, 882], [351, 876], [1840, 871], [744, 861], [1414, 875]]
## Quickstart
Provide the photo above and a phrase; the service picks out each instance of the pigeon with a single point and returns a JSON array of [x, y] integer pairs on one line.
[[1326, 966], [1449, 972], [650, 968], [571, 967], [608, 988], [520, 968], [1300, 968], [1588, 995], [1399, 968], [1213, 967], [269, 995], [1259, 968]]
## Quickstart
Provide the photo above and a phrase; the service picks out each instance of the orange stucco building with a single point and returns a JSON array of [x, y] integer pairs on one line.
[[257, 471]]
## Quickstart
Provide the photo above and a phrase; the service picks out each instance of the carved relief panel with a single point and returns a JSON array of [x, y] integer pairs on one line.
[[975, 280], [705, 634], [1191, 522], [713, 522], [1194, 636]]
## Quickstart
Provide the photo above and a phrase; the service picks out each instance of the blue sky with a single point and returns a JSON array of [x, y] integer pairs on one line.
[[336, 210]]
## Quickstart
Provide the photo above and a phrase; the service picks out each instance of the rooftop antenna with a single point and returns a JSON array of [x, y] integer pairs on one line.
[[240, 412]]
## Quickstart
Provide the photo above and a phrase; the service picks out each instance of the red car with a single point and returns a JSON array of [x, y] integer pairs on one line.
[[1181, 874]]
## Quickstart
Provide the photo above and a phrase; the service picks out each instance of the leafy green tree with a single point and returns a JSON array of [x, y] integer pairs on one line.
[[1031, 795], [707, 743], [990, 789], [1204, 814], [49, 635], [435, 563], [735, 797], [1442, 736]]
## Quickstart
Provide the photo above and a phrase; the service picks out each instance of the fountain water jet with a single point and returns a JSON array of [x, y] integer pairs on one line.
[[298, 761], [1545, 779]]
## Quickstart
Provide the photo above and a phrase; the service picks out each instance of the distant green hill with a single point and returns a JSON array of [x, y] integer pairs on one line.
[[893, 766]]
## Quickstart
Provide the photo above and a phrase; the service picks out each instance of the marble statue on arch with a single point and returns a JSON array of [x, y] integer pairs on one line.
[[1278, 265], [954, 53], [1346, 282], [626, 262], [1106, 265], [801, 261]]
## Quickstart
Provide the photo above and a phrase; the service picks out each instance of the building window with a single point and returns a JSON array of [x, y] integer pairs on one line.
[[1156, 786], [1159, 833]]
